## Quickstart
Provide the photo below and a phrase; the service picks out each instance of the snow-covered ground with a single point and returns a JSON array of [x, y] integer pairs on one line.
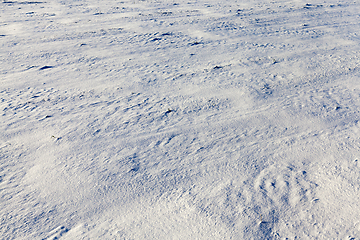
[[192, 119]]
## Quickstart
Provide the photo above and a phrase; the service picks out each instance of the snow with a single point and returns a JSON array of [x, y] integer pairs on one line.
[[179, 119]]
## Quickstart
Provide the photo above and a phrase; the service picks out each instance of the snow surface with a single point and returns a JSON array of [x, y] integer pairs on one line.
[[179, 119]]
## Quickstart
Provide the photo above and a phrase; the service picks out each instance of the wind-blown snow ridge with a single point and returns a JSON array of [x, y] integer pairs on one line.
[[179, 119]]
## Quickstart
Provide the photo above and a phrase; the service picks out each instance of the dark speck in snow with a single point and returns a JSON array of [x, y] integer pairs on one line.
[[156, 39], [45, 67], [195, 43]]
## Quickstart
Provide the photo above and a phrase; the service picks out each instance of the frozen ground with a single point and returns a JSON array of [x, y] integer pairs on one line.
[[179, 119]]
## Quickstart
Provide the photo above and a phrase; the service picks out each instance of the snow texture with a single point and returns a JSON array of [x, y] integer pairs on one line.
[[154, 119]]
